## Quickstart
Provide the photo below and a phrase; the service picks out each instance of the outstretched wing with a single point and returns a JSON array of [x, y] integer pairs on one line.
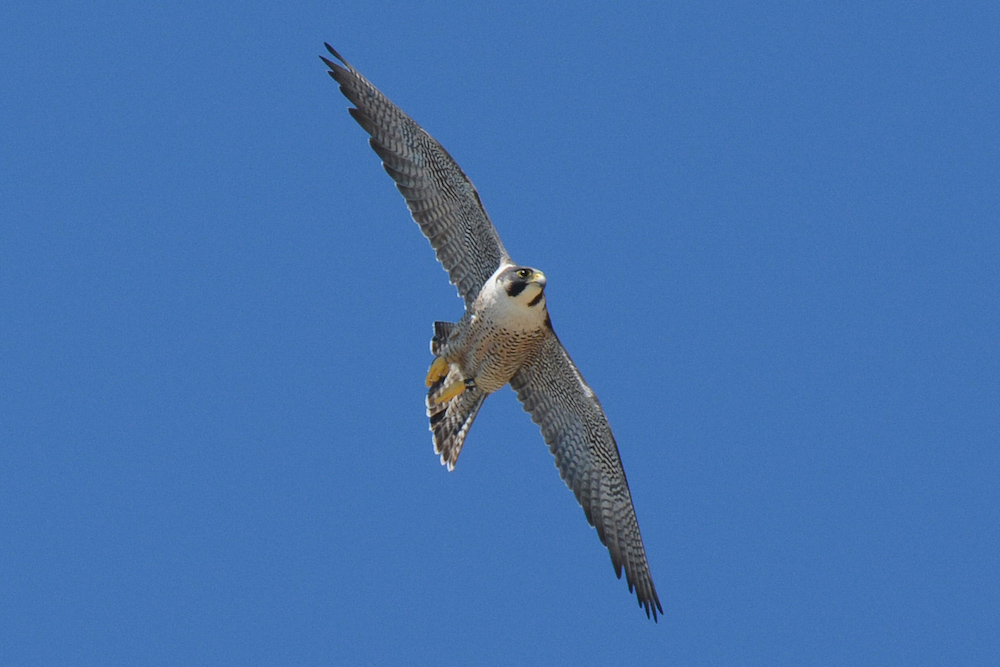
[[440, 196], [574, 426]]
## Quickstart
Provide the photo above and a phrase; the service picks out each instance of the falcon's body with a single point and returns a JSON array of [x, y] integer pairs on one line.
[[505, 335], [503, 328]]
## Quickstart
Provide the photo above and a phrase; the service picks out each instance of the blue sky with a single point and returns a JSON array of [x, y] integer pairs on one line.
[[771, 239]]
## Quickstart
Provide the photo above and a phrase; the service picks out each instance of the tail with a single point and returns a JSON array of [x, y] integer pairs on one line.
[[441, 332], [451, 420]]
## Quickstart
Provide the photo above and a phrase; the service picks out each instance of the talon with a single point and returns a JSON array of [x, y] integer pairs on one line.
[[438, 370], [450, 392]]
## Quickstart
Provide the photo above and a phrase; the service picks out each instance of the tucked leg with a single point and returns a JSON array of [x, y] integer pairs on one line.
[[438, 370], [450, 391]]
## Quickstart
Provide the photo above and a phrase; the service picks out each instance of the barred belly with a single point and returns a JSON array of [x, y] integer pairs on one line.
[[496, 354]]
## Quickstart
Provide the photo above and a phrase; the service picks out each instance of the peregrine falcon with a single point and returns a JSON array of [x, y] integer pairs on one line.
[[505, 335]]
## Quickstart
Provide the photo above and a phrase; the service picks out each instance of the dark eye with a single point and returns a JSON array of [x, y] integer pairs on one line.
[[524, 273]]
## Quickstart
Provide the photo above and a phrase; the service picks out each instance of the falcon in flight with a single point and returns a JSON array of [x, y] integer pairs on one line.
[[505, 335]]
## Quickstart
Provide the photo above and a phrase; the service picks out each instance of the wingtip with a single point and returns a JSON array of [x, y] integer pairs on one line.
[[334, 53], [654, 606], [651, 608]]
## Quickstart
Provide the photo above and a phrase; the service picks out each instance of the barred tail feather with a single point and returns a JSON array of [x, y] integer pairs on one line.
[[451, 421], [441, 332]]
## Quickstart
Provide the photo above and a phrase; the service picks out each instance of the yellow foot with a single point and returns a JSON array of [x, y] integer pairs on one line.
[[439, 369], [450, 392]]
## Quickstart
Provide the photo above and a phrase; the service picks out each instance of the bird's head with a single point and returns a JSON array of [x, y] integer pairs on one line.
[[524, 285]]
